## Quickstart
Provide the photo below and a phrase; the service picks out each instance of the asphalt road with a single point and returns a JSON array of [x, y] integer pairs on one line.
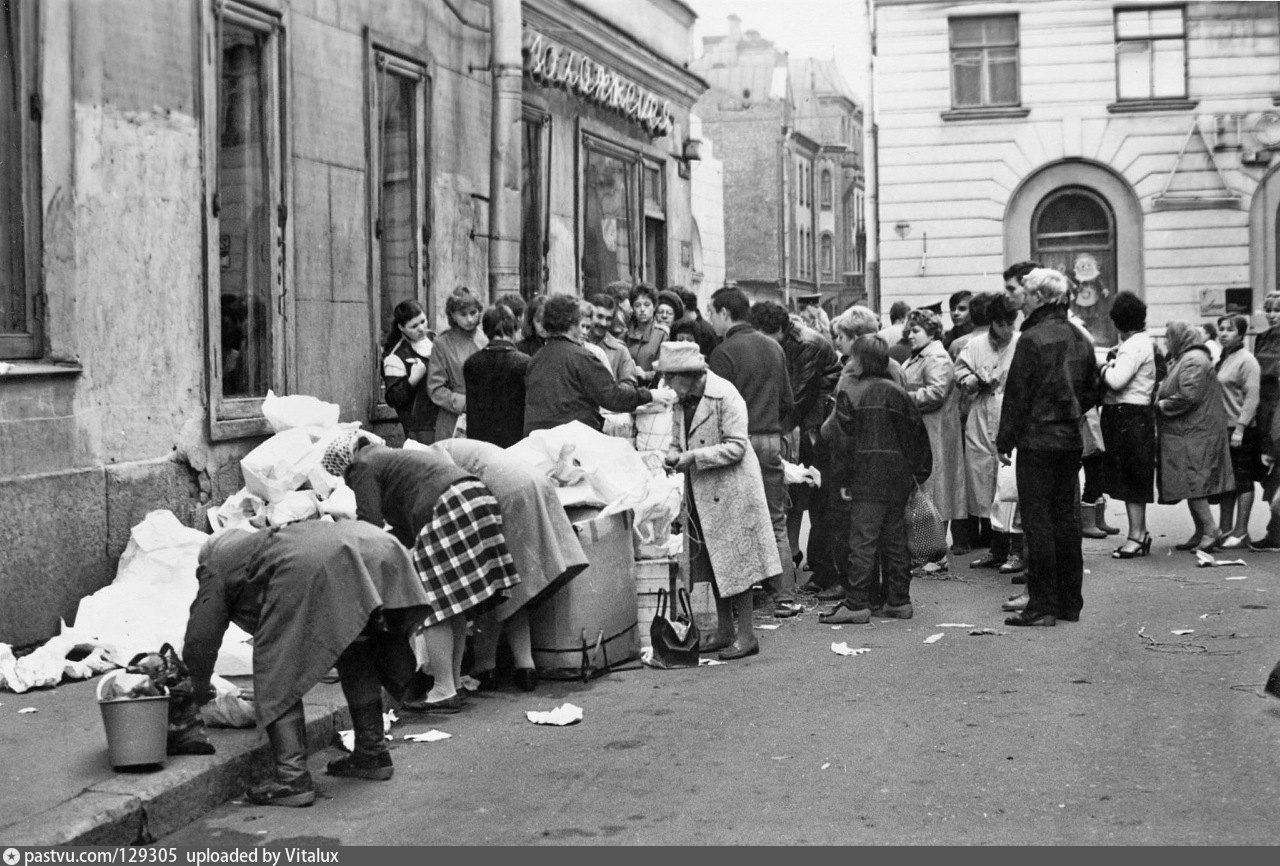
[[1112, 730]]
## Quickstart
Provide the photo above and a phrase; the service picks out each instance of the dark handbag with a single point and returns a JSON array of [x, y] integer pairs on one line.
[[675, 640]]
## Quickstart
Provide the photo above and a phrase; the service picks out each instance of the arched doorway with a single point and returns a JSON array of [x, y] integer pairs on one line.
[[1073, 231]]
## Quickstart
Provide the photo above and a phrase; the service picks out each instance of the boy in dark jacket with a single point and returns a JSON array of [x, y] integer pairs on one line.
[[880, 452]]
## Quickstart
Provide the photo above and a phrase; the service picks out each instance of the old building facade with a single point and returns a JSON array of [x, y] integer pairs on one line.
[[789, 134], [208, 199], [1129, 144]]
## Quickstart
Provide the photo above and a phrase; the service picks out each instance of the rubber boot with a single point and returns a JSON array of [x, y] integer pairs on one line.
[[370, 760], [1088, 521], [1100, 517], [292, 785]]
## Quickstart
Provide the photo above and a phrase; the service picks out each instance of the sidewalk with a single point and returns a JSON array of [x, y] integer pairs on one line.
[[57, 787]]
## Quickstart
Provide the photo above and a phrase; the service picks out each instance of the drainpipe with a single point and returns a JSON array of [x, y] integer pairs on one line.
[[504, 154], [871, 165]]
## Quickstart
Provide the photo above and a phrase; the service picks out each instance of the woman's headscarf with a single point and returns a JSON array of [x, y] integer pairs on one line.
[[1180, 336], [342, 450]]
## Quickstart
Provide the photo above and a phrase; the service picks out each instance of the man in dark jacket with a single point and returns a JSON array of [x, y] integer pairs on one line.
[[565, 382], [757, 367], [879, 452], [1052, 382], [703, 334]]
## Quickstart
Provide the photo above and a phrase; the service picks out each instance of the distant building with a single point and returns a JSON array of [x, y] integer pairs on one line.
[[1131, 146], [706, 203], [789, 134]]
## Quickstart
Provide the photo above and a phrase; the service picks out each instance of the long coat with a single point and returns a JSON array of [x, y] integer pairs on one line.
[[981, 370], [728, 489], [445, 380], [931, 384], [541, 539], [1195, 455]]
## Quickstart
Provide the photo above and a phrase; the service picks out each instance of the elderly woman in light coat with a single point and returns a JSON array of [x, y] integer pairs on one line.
[[931, 384], [1195, 455], [729, 529]]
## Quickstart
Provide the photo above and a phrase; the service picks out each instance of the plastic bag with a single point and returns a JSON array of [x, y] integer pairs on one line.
[[655, 505], [280, 465], [611, 467], [655, 424], [241, 510], [292, 507], [229, 708], [298, 410], [159, 548], [1007, 481], [621, 425], [798, 473], [341, 503]]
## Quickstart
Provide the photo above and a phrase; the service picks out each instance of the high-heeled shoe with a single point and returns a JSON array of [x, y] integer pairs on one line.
[[1209, 545], [1143, 548], [1191, 543]]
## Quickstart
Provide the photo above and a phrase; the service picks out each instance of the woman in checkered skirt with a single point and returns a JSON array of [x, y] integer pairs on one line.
[[451, 523]]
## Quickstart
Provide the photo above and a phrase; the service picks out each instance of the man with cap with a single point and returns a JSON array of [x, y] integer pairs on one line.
[[731, 543]]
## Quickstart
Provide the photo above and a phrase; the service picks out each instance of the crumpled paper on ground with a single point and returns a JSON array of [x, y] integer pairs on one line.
[[565, 714], [348, 738], [934, 638], [1204, 560], [431, 736], [843, 649], [646, 658]]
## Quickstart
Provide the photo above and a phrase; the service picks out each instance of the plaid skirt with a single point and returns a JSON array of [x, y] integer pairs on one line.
[[461, 555]]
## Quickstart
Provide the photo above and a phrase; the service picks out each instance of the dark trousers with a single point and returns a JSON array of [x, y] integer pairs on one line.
[[1049, 495], [878, 531], [826, 531], [768, 448]]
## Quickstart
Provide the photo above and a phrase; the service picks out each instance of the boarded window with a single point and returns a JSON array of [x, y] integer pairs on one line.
[[984, 62], [1151, 54]]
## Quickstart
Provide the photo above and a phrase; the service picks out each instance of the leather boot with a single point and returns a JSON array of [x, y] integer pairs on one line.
[[370, 760], [1100, 517], [1088, 521], [292, 785]]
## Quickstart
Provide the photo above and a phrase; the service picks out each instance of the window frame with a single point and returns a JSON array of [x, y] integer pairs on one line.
[[826, 189], [239, 417], [27, 344], [1186, 65], [386, 58], [985, 104], [543, 121], [827, 255]]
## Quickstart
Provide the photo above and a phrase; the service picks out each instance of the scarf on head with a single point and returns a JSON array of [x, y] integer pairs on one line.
[[341, 451]]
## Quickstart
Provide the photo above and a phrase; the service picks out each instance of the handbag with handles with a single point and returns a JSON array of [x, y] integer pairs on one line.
[[675, 640]]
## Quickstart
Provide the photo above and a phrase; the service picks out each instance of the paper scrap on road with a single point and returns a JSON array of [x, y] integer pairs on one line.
[[1204, 560], [1183, 631], [431, 736], [843, 649], [982, 631], [470, 683], [836, 627], [1241, 577], [565, 714], [934, 638], [710, 663], [954, 625], [828, 764], [768, 627], [25, 710]]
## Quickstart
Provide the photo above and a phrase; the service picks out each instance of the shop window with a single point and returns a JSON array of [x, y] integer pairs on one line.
[[399, 165], [827, 255], [624, 217], [20, 295], [1073, 231], [984, 62], [534, 201], [246, 291], [655, 227], [828, 193], [1151, 54]]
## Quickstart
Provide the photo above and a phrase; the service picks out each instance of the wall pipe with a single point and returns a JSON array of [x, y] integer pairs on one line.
[[504, 153]]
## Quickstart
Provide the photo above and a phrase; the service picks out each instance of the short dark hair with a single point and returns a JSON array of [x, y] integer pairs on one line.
[[958, 298], [732, 300], [1240, 323], [898, 311], [498, 321], [873, 355], [929, 322], [685, 326], [769, 317], [532, 311], [561, 314], [1210, 330], [1000, 308], [1128, 312], [978, 309], [689, 299], [513, 302], [1018, 270], [643, 289], [604, 301], [620, 289]]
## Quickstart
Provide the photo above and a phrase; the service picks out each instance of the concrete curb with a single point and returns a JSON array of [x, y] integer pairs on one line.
[[134, 809]]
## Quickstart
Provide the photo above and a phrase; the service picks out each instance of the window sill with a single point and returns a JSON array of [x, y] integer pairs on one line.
[[1139, 106], [999, 113], [37, 369]]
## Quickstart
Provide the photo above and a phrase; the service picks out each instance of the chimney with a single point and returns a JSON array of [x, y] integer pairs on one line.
[[735, 29]]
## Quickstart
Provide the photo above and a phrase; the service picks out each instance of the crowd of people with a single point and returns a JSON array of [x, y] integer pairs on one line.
[[989, 423]]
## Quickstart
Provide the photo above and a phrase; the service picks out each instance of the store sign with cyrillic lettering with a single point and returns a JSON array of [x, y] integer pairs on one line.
[[551, 65]]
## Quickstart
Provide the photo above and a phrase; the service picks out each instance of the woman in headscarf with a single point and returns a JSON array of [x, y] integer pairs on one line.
[[931, 385], [452, 523], [1195, 460], [313, 594], [543, 545]]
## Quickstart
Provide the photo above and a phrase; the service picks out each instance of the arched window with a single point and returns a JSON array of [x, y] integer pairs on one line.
[[1073, 231], [827, 192], [827, 255]]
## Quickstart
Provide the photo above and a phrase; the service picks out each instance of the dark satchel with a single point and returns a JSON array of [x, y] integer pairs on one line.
[[675, 640]]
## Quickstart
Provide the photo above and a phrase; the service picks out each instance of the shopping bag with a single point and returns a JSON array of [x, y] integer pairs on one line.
[[926, 530], [655, 424], [675, 640]]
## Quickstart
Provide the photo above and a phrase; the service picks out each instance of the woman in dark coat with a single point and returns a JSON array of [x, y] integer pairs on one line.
[[1195, 457], [452, 523], [313, 594], [406, 352], [495, 383]]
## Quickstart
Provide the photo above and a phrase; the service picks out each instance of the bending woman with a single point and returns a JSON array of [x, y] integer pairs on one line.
[[312, 594], [451, 522]]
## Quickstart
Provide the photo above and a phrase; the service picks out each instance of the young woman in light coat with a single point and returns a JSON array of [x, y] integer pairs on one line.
[[730, 531]]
